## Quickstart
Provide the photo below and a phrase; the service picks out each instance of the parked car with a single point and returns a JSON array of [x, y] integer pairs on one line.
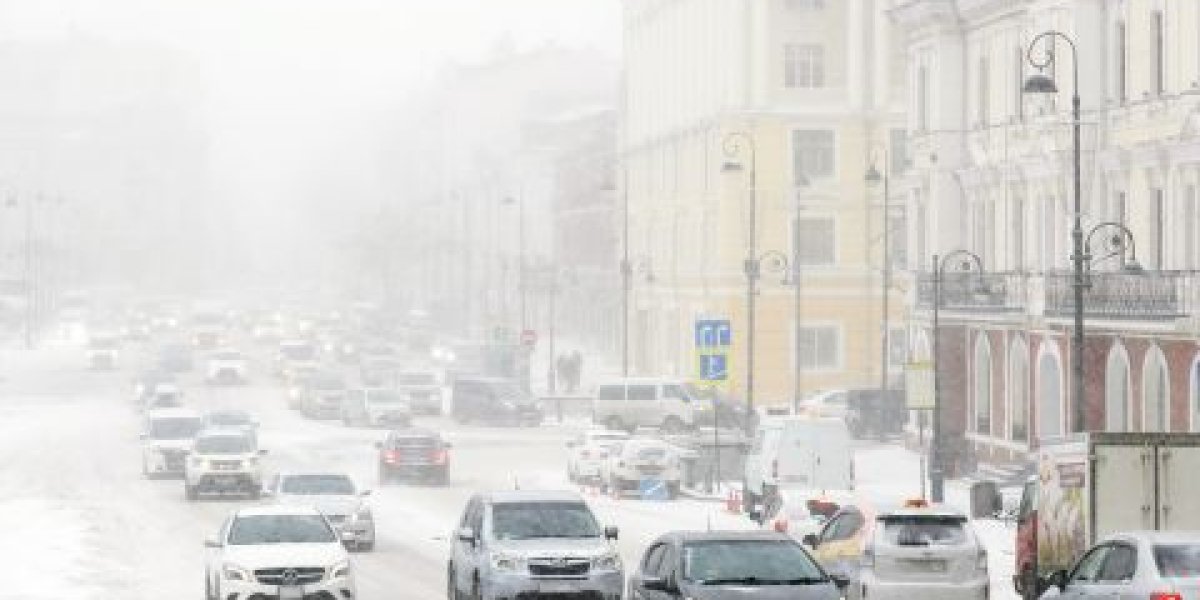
[[414, 454], [336, 496], [375, 407], [1158, 565], [223, 461], [638, 460], [587, 452], [166, 439], [322, 396], [922, 551], [730, 564], [494, 401], [626, 404], [519, 544], [806, 453], [226, 366], [164, 395], [423, 390], [145, 383], [279, 551]]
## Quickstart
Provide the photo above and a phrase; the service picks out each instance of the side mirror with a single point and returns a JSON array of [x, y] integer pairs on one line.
[[466, 534], [212, 542], [841, 581], [659, 584], [810, 540], [611, 533]]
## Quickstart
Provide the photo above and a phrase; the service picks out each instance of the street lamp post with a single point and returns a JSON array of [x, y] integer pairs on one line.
[[937, 467], [733, 144], [1039, 83], [874, 176]]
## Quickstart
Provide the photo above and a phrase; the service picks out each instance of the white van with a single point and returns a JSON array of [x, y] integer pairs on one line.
[[801, 453], [626, 404]]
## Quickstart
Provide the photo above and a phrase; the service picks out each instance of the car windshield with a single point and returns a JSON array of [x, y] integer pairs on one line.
[[280, 529], [416, 378], [384, 397], [174, 428], [298, 351], [223, 419], [651, 453], [1177, 560], [339, 485], [762, 562], [224, 444], [531, 520], [924, 530]]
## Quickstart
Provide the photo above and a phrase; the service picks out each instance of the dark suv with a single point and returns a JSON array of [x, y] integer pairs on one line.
[[414, 454], [495, 401]]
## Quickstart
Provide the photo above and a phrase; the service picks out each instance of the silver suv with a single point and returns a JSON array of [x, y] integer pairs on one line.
[[522, 543]]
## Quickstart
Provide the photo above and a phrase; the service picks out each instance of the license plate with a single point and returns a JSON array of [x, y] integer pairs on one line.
[[556, 587], [926, 566], [291, 592]]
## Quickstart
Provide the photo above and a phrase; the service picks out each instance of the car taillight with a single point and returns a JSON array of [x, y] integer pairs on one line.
[[781, 525], [1166, 596], [391, 456], [439, 456]]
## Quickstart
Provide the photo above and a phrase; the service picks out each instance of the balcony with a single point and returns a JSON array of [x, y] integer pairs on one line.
[[1149, 295], [991, 292]]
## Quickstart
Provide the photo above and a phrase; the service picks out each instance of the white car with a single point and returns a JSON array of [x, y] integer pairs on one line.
[[638, 460], [226, 366], [925, 552], [335, 495], [282, 552], [164, 395], [167, 439], [223, 461], [825, 403], [588, 451]]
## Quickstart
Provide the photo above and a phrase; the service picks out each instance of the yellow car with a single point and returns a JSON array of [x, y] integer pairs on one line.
[[840, 543]]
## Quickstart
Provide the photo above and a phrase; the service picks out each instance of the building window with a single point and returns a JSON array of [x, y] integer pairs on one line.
[[812, 154], [983, 385], [803, 66], [814, 239], [1156, 393], [922, 99], [1160, 70], [1116, 390], [1018, 391], [983, 116], [1122, 64], [1049, 394], [820, 347]]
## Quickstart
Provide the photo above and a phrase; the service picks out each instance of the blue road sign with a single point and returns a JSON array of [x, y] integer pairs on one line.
[[713, 333], [714, 367], [653, 489]]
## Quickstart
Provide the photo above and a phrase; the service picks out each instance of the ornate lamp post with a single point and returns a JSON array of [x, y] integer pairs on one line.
[[735, 144]]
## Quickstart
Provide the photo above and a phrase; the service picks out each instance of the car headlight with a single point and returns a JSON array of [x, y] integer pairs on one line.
[[234, 572], [607, 562], [507, 562], [340, 570]]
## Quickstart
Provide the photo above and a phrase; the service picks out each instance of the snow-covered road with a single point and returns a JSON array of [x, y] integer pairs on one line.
[[87, 525]]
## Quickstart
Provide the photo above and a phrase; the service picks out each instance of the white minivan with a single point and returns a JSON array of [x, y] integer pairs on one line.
[[626, 404], [810, 453]]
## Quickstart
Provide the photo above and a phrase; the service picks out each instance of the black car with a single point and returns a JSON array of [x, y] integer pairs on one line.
[[716, 565], [419, 454], [494, 401]]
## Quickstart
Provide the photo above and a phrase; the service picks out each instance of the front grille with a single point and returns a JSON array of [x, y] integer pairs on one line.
[[226, 465], [579, 595], [303, 575], [553, 567], [322, 595]]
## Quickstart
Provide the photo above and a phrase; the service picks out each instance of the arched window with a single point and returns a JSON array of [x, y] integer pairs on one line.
[[1049, 393], [1116, 390], [1156, 393], [1018, 391], [982, 389]]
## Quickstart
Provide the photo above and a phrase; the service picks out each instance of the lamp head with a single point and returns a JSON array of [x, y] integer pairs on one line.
[[873, 175], [731, 167], [1039, 83]]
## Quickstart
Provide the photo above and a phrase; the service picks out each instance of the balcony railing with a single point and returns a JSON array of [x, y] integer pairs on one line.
[[990, 292], [1149, 295]]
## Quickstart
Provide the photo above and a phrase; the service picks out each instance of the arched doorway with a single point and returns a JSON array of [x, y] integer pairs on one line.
[[1018, 391], [1156, 392], [1117, 392], [981, 385], [1049, 392]]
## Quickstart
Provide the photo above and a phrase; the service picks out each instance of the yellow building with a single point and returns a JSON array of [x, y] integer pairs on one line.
[[783, 104]]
